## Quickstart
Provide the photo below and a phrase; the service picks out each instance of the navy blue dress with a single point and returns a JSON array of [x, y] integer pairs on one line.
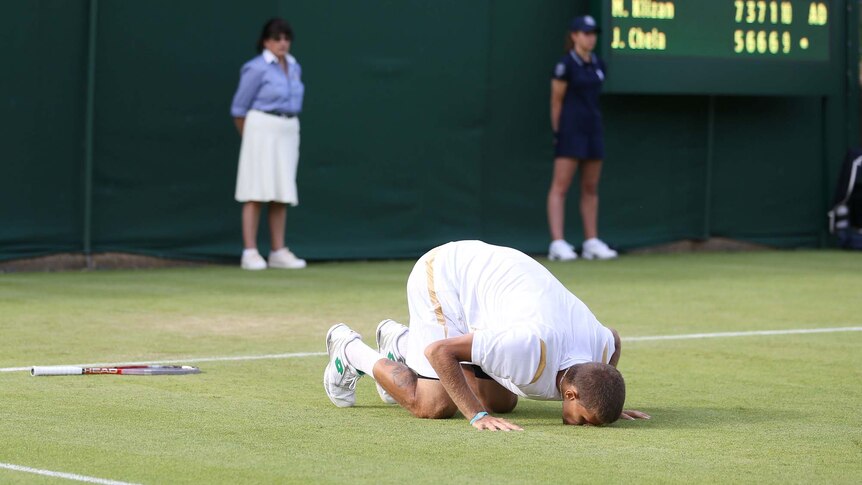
[[580, 133]]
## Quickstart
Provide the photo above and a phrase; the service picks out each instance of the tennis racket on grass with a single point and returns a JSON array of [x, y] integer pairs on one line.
[[133, 370]]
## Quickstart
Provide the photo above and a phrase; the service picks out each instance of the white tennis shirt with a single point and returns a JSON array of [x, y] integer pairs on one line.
[[526, 325]]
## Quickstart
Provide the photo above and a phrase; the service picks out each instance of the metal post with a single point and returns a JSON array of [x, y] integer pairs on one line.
[[88, 133]]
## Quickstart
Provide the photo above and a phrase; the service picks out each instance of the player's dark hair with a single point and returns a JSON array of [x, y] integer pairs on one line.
[[273, 29], [601, 389]]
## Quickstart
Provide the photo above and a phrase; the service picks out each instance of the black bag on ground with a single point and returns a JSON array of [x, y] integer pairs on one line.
[[845, 218]]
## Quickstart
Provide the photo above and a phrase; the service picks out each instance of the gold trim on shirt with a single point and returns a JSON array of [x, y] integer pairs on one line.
[[541, 367], [432, 292]]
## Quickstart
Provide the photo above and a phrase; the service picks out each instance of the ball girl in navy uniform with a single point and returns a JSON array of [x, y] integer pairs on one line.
[[579, 141], [266, 110]]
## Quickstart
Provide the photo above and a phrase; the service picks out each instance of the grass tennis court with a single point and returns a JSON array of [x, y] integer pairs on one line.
[[776, 408]]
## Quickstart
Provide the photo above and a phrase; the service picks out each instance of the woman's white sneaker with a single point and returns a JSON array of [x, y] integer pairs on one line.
[[560, 250], [597, 249], [252, 260], [285, 259]]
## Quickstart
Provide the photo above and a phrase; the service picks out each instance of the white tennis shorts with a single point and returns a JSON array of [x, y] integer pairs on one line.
[[435, 312]]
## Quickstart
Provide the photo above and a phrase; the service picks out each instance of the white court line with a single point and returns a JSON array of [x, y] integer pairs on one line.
[[315, 354], [67, 476], [743, 334]]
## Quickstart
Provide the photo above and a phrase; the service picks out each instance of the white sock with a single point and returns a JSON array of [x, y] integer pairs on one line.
[[361, 356], [401, 342], [248, 252]]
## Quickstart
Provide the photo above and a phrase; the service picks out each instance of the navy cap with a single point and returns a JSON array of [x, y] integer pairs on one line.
[[585, 23]]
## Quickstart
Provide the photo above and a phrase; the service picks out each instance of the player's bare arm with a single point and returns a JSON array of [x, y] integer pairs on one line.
[[618, 346], [446, 357]]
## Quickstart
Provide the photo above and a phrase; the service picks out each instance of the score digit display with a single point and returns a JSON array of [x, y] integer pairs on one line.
[[776, 47], [747, 29]]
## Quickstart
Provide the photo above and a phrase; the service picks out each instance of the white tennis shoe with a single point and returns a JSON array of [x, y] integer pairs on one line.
[[388, 333], [560, 250], [339, 377], [597, 249]]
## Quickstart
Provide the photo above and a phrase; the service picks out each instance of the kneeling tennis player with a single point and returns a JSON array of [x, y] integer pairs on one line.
[[488, 324]]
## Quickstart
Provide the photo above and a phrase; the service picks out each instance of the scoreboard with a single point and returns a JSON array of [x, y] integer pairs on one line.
[[783, 30], [780, 47]]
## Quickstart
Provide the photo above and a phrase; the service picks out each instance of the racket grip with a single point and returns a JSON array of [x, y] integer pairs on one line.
[[56, 370]]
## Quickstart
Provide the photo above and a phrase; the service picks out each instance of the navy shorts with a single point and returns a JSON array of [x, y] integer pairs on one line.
[[579, 145]]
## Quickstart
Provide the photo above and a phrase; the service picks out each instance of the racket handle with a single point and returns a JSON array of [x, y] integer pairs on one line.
[[56, 370]]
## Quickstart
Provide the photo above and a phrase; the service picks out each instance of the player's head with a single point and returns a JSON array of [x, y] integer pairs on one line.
[[593, 393], [273, 36], [582, 33]]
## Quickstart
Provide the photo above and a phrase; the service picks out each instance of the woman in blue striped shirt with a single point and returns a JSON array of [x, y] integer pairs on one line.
[[266, 110]]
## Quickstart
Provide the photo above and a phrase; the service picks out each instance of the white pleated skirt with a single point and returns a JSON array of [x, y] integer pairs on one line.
[[268, 159]]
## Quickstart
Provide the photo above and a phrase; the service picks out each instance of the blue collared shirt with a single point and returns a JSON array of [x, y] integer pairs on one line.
[[264, 86]]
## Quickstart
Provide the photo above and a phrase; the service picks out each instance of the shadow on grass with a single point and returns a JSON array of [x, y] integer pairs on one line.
[[679, 417]]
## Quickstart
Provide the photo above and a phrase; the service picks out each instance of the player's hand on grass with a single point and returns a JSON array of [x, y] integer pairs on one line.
[[633, 414], [496, 424]]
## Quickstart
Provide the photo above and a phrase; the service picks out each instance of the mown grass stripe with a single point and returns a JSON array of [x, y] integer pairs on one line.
[[688, 336]]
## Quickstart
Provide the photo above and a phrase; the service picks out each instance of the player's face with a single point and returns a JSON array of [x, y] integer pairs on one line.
[[576, 414], [585, 41], [279, 46]]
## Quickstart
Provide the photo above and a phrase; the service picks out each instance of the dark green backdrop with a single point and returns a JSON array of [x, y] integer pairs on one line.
[[424, 122]]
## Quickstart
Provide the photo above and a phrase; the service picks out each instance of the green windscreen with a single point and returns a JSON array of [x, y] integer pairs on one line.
[[423, 122]]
